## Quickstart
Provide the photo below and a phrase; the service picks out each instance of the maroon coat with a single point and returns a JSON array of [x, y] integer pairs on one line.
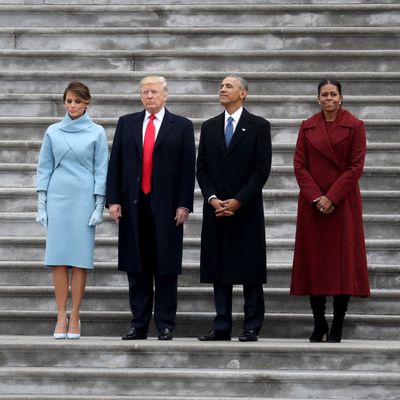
[[330, 256]]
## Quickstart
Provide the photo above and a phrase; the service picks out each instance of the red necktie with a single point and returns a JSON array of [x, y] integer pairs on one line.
[[148, 146]]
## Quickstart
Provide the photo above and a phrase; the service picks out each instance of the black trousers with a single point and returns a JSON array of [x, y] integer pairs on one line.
[[149, 286], [254, 307]]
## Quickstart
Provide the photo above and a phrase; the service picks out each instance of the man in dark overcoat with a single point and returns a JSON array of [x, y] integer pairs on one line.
[[233, 165], [150, 187]]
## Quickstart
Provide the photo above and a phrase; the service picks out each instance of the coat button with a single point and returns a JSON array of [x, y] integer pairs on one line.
[[134, 201]]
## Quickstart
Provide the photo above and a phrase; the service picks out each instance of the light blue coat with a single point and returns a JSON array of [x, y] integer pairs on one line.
[[72, 169]]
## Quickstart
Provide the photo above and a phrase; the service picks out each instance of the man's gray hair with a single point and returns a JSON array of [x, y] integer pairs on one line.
[[243, 82]]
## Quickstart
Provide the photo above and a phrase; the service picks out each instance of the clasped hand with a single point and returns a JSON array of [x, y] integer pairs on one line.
[[324, 205], [225, 208]]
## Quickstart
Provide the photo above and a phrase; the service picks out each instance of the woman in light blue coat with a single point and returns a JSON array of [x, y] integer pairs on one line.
[[71, 180]]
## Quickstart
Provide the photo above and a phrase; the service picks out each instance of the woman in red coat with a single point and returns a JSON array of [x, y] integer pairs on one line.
[[329, 255]]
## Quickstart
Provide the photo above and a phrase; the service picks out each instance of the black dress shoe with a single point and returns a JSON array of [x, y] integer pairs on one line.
[[248, 336], [215, 334], [164, 334], [135, 334]]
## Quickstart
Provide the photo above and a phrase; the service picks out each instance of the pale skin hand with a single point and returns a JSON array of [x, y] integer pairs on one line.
[[115, 212], [324, 205], [181, 216], [225, 208]]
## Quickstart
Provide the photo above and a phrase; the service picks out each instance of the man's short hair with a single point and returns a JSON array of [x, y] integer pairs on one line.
[[155, 78]]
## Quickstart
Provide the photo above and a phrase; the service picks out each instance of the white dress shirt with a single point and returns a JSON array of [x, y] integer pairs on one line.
[[235, 116], [157, 122]]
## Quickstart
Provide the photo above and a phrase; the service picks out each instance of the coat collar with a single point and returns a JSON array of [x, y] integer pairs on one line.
[[239, 133], [75, 125], [318, 135], [167, 125], [137, 128], [344, 118]]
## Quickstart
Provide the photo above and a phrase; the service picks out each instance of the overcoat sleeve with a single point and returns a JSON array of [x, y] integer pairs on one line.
[[206, 184], [100, 164], [45, 166], [187, 181], [348, 180], [262, 165], [113, 189], [308, 187]]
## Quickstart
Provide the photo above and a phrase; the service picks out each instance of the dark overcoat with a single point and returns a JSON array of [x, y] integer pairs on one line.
[[233, 249], [173, 176], [330, 256]]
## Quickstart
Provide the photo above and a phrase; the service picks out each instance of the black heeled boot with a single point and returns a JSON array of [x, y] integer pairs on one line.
[[320, 331], [340, 304]]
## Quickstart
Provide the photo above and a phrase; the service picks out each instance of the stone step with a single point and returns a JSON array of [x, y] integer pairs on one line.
[[186, 2], [382, 154], [281, 177], [198, 82], [200, 15], [283, 131], [186, 59], [190, 299], [277, 226], [285, 201], [281, 201], [133, 397], [188, 382], [34, 273], [351, 355], [199, 106], [373, 178], [31, 248], [191, 324], [232, 37]]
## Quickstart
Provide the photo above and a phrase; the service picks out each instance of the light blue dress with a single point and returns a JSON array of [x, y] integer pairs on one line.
[[72, 168]]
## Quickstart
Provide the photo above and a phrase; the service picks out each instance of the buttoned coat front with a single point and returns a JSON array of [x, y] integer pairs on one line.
[[330, 255], [172, 182], [233, 249]]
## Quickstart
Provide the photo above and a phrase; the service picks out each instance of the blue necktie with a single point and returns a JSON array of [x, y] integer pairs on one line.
[[229, 131]]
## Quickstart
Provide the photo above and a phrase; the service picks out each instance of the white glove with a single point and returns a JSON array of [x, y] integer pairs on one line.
[[97, 215], [41, 216]]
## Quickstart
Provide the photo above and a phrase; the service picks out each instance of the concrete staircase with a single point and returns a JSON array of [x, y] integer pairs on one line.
[[283, 49]]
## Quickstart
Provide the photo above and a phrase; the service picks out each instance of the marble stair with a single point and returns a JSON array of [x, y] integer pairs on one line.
[[283, 49]]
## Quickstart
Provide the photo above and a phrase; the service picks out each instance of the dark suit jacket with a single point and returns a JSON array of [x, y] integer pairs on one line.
[[233, 248], [172, 187]]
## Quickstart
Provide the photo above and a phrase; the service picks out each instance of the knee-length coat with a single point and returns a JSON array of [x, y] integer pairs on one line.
[[72, 169], [173, 178], [330, 255], [233, 249]]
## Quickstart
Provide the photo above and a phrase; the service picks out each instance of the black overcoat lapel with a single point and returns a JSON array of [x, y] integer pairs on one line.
[[136, 131], [167, 125]]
